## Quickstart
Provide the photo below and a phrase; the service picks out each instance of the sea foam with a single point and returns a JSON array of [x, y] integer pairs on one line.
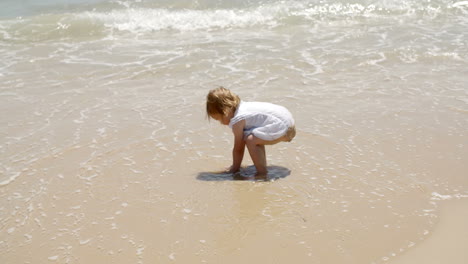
[[138, 19]]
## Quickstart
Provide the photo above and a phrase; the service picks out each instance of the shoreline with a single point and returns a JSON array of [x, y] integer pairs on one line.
[[448, 242]]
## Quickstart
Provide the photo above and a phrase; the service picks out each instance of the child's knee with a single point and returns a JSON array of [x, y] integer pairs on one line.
[[291, 133], [248, 138]]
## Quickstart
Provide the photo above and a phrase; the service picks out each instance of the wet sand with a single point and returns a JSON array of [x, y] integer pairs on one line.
[[136, 204], [448, 242]]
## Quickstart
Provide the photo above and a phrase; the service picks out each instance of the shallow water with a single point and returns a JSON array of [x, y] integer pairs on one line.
[[104, 141]]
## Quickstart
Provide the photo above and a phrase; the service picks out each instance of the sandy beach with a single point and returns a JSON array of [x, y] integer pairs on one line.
[[137, 210], [448, 242]]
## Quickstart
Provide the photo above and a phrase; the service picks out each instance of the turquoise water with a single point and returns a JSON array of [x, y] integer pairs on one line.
[[13, 9], [211, 15]]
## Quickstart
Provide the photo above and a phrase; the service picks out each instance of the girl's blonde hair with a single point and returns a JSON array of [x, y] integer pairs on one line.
[[221, 101]]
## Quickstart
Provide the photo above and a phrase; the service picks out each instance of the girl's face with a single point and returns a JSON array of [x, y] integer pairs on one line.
[[224, 120]]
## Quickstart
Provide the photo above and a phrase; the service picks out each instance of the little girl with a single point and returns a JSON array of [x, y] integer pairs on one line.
[[254, 124]]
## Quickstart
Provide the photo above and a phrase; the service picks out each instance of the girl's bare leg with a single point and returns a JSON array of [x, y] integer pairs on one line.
[[256, 147], [264, 161], [257, 153]]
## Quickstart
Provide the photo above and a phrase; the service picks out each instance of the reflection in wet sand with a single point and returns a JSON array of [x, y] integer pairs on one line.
[[246, 174]]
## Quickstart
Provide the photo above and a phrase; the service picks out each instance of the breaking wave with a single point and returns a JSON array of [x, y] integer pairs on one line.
[[132, 18]]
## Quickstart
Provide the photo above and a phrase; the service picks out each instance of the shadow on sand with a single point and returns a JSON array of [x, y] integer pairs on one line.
[[246, 174]]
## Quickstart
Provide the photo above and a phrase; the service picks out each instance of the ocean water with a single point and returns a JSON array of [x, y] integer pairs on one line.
[[106, 154]]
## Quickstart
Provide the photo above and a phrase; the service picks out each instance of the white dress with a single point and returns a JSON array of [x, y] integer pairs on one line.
[[266, 121]]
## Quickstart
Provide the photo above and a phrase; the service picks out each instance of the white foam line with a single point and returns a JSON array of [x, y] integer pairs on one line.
[[441, 197], [86, 241], [10, 179], [461, 3], [53, 258]]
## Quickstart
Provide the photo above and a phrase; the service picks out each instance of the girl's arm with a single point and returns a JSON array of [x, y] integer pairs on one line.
[[239, 146]]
